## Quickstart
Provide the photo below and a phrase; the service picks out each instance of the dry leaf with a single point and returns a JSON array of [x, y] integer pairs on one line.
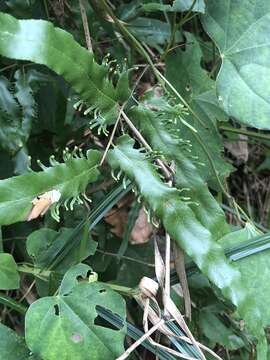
[[117, 219], [239, 149], [142, 230], [42, 203]]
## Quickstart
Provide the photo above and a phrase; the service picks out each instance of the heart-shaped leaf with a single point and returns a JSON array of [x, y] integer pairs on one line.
[[241, 29], [67, 326]]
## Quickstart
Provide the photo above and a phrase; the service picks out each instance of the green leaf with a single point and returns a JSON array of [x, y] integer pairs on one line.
[[69, 178], [9, 276], [15, 128], [40, 42], [240, 30], [255, 273], [42, 245], [12, 345], [181, 223], [209, 322], [184, 71], [178, 5], [187, 5], [164, 138], [152, 31], [64, 327], [255, 270]]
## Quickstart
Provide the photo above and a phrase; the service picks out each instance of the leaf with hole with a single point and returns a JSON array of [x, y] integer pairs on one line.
[[67, 326]]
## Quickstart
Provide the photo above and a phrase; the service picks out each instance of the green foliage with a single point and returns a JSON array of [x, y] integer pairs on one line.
[[66, 323], [167, 204], [17, 110], [40, 42], [9, 340], [250, 267], [186, 74], [43, 244], [185, 86], [69, 178], [178, 5], [165, 138], [209, 323], [152, 31], [9, 276], [240, 30]]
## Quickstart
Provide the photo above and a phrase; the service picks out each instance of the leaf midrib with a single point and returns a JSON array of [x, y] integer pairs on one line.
[[30, 198], [62, 54]]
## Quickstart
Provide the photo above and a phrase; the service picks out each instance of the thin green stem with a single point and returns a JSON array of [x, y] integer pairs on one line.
[[131, 38], [106, 253], [124, 290], [42, 274], [245, 132], [46, 9], [12, 304]]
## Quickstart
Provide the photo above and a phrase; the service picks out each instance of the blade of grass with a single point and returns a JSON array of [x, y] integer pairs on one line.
[[93, 219]]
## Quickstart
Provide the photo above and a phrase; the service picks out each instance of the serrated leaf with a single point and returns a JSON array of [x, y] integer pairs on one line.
[[69, 178], [12, 345], [40, 42], [163, 137], [63, 326], [12, 135], [240, 30], [184, 71], [17, 109], [183, 227], [9, 276]]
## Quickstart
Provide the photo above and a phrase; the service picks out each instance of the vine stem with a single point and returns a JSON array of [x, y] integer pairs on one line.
[[119, 116], [144, 53], [163, 81], [125, 258], [245, 132], [137, 133]]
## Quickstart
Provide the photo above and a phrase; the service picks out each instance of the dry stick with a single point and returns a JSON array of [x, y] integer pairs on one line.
[[112, 135], [85, 26], [164, 168], [179, 262], [140, 340], [167, 285], [119, 117]]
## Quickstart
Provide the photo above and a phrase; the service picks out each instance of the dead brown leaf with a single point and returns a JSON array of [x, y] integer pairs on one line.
[[142, 230]]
